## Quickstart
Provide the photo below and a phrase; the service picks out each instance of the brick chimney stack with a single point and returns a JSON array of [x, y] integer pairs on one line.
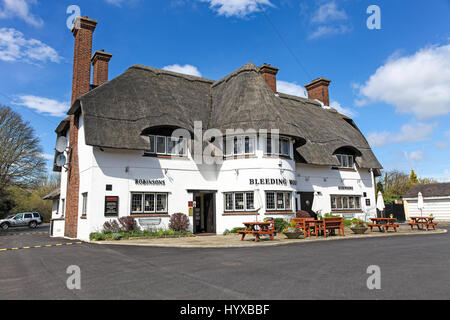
[[269, 74], [83, 30], [318, 89], [100, 61]]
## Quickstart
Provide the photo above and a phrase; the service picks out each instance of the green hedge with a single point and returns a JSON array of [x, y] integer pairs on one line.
[[99, 236]]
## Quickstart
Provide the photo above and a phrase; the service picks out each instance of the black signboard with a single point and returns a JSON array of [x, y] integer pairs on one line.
[[111, 206]]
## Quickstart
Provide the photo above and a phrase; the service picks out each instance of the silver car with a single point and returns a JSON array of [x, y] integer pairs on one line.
[[31, 219]]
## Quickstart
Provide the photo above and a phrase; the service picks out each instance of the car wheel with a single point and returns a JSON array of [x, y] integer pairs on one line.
[[33, 224], [4, 226]]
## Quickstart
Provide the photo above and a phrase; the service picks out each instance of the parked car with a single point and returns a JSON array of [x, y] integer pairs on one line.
[[31, 219]]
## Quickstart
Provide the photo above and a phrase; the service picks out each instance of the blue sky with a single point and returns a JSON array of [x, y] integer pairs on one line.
[[394, 82]]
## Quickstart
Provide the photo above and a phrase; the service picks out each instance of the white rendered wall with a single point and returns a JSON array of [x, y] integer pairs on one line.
[[120, 168]]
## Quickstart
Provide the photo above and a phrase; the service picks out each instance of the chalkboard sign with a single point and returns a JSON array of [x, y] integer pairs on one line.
[[111, 206]]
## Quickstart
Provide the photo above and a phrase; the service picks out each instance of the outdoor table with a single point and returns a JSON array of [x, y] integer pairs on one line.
[[422, 222], [313, 225], [383, 224], [258, 229]]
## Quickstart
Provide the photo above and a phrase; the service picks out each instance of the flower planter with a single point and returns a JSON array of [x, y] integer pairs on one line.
[[292, 235], [359, 230]]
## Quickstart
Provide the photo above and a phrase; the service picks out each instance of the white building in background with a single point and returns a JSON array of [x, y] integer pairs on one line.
[[123, 159], [436, 200]]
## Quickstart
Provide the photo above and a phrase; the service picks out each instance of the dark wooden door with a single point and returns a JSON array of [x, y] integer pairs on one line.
[[306, 201]]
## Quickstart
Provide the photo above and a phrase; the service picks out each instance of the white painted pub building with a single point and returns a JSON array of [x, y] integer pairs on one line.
[[126, 156]]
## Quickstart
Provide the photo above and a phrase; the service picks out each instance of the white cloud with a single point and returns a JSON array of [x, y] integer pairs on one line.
[[48, 156], [415, 155], [20, 9], [329, 20], [328, 12], [441, 145], [239, 8], [291, 88], [417, 84], [345, 111], [323, 31], [408, 133], [44, 105], [186, 69], [14, 47], [117, 3]]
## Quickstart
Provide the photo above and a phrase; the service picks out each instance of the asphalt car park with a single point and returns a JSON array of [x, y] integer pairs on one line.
[[412, 267]]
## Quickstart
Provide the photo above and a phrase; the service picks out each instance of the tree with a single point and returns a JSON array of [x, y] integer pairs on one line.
[[413, 178], [21, 161]]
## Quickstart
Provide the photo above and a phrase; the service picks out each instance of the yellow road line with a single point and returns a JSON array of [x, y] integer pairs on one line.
[[41, 246]]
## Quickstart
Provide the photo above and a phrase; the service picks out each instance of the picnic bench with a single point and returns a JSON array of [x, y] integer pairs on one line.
[[312, 226], [331, 225], [422, 222], [304, 225], [383, 224], [259, 229]]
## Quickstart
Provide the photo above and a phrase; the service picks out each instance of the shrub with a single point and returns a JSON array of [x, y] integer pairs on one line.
[[235, 230], [127, 224], [116, 236], [111, 227], [179, 222], [280, 224], [97, 236]]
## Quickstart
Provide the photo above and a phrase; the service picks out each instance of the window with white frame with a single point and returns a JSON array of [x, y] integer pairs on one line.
[[148, 203], [239, 201], [281, 201], [239, 146], [84, 207], [340, 202], [279, 147], [346, 161], [163, 145]]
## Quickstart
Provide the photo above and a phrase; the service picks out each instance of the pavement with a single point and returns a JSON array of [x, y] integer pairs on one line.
[[234, 240], [412, 267]]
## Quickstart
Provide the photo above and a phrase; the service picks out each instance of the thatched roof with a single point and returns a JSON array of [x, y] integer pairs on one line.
[[116, 113], [429, 190]]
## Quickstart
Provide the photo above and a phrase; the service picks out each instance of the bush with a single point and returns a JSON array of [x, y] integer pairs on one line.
[[235, 230], [127, 224], [97, 236], [111, 227], [280, 224], [179, 222]]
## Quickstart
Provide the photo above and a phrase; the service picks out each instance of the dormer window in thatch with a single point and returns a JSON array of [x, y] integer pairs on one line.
[[346, 157], [162, 141], [278, 147], [240, 146]]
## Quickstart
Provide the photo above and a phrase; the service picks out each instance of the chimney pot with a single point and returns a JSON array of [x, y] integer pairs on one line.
[[318, 89], [269, 74]]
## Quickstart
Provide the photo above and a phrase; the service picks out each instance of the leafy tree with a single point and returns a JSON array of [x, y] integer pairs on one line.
[[413, 178], [21, 161]]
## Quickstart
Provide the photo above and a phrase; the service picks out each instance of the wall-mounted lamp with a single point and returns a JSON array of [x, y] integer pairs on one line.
[[127, 169], [306, 178], [236, 172]]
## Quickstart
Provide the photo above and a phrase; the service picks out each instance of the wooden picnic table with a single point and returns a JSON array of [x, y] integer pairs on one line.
[[383, 224], [322, 226], [422, 223], [258, 229]]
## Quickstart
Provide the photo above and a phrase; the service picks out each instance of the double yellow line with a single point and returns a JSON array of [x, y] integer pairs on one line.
[[22, 233], [42, 246]]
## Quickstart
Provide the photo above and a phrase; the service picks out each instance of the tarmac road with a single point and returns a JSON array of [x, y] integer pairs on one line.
[[412, 267]]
